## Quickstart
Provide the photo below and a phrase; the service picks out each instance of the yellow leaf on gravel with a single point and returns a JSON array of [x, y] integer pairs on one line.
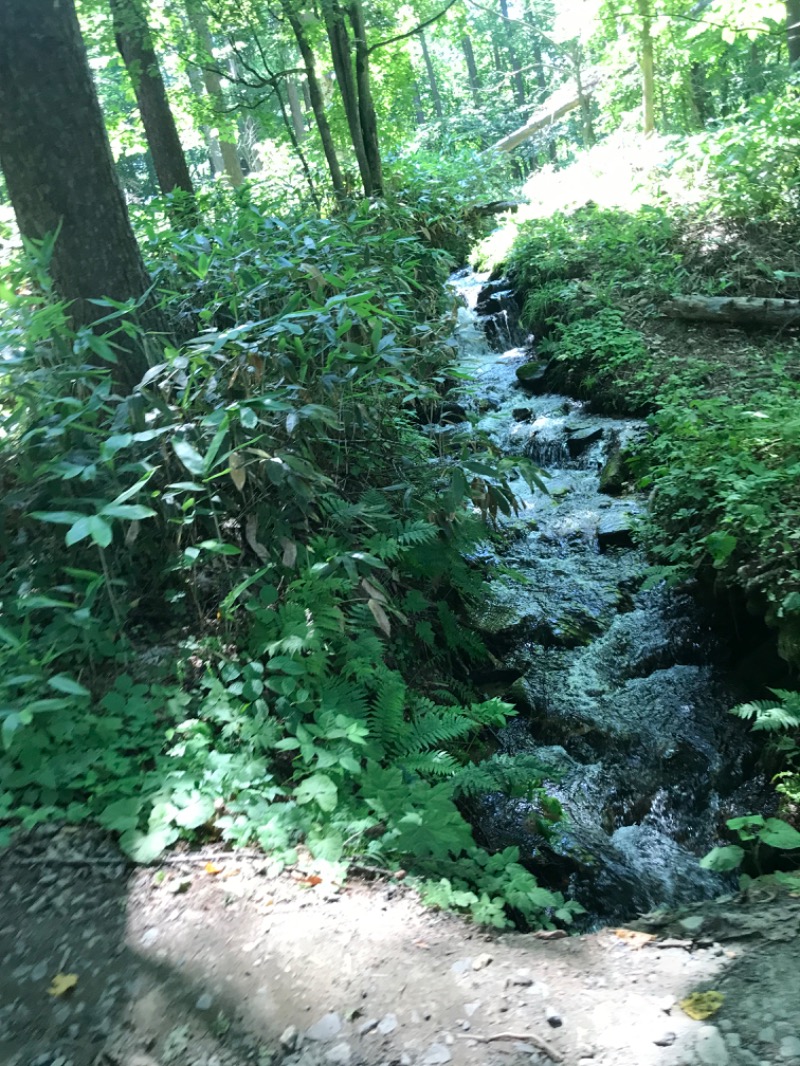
[[213, 868], [634, 937], [701, 1005], [62, 983]]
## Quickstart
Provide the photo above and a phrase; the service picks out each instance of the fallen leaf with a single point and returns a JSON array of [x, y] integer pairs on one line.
[[289, 553], [702, 1005], [311, 880], [251, 536], [231, 873], [213, 868], [380, 616], [237, 470], [634, 937], [62, 983]]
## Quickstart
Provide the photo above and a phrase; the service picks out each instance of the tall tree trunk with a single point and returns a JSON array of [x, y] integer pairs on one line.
[[366, 105], [648, 67], [135, 45], [213, 84], [343, 68], [315, 96], [793, 30], [419, 114], [307, 97], [432, 83], [295, 110], [472, 69], [584, 102], [517, 81], [58, 167], [212, 142]]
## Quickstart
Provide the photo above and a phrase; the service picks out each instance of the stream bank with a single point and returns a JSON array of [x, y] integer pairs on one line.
[[623, 692]]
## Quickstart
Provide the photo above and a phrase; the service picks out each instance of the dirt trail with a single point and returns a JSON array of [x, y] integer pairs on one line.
[[183, 967]]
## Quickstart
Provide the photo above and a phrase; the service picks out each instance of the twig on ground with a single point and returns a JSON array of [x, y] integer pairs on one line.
[[524, 1038]]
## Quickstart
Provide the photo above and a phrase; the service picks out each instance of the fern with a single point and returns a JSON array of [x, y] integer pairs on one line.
[[387, 715], [772, 715]]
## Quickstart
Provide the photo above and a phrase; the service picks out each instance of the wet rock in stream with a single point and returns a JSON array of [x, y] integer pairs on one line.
[[622, 693]]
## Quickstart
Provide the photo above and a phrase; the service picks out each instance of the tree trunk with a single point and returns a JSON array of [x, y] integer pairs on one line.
[[434, 88], [366, 106], [343, 68], [734, 310], [516, 74], [472, 69], [584, 102], [562, 101], [135, 45], [419, 114], [213, 84], [60, 174], [793, 30], [212, 142], [315, 97], [648, 68], [295, 110]]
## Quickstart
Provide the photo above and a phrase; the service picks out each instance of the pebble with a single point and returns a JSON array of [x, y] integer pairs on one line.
[[710, 1047], [328, 1026], [339, 1054], [480, 962], [387, 1024], [367, 1026], [767, 1035], [470, 1008], [205, 1001], [665, 1039], [554, 1019], [789, 1048], [289, 1038], [435, 1055], [693, 924]]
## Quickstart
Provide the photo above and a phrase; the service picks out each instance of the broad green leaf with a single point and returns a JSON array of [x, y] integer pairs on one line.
[[779, 834], [189, 456], [132, 511], [320, 789], [67, 684], [723, 859]]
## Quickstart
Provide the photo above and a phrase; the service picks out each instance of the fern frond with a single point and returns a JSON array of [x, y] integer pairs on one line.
[[387, 715], [438, 763]]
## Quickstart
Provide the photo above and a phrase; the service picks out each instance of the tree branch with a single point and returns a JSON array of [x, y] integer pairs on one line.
[[414, 32]]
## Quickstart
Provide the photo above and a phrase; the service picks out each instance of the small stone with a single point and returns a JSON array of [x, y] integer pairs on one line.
[[554, 1019], [767, 1035], [289, 1038], [789, 1048], [733, 1040], [461, 966], [693, 924], [39, 972], [480, 962], [710, 1047], [387, 1024], [205, 1001], [435, 1055], [665, 1040], [522, 980], [405, 1059], [328, 1026], [521, 414], [470, 1008], [368, 1026], [339, 1054]]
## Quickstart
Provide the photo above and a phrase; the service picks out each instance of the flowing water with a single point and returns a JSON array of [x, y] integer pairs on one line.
[[623, 699]]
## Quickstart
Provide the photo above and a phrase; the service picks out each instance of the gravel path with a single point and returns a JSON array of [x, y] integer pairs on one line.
[[236, 963]]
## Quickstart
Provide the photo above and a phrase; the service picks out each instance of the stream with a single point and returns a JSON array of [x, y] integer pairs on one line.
[[623, 694]]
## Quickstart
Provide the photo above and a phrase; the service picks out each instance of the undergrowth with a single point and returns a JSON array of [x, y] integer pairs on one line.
[[234, 601]]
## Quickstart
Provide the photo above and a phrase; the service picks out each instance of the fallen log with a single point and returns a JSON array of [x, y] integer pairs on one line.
[[566, 98], [734, 310], [495, 208]]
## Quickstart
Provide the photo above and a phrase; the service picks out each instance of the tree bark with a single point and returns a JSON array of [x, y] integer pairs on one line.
[[213, 84], [315, 97], [419, 114], [135, 45], [295, 110], [648, 67], [341, 54], [472, 69], [59, 171], [517, 81], [366, 107], [734, 310], [212, 141], [793, 30], [432, 83], [584, 102]]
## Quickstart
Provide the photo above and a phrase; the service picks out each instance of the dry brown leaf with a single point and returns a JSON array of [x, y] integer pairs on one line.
[[62, 983], [311, 880], [251, 536], [633, 937], [371, 591], [289, 553], [380, 616], [237, 470]]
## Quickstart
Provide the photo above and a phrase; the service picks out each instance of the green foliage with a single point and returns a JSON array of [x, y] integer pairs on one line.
[[755, 830], [234, 602]]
